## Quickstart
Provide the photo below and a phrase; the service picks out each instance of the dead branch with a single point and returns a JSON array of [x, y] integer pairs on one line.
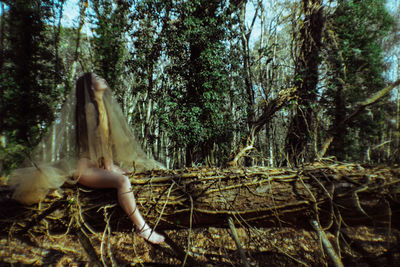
[[85, 241], [360, 108], [327, 244], [237, 241], [269, 110]]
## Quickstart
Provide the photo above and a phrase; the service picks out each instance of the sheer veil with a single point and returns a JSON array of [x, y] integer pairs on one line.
[[84, 128]]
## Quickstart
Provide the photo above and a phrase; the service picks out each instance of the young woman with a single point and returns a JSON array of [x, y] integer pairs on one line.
[[92, 143]]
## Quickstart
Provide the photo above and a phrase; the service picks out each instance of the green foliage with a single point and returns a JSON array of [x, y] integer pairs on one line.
[[181, 65], [147, 21], [109, 41], [11, 155], [356, 60], [197, 99], [28, 77]]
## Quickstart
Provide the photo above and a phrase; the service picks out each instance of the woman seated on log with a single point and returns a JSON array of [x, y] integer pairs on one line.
[[89, 143]]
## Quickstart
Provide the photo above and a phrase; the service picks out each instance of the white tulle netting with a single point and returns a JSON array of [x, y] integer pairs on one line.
[[84, 128]]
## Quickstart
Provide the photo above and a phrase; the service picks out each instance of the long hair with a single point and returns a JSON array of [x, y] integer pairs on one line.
[[84, 90]]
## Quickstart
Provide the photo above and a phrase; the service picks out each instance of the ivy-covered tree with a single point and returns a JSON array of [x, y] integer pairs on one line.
[[197, 98], [306, 80], [28, 75], [355, 71]]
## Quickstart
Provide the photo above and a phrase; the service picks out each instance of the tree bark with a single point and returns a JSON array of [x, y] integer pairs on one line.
[[306, 81]]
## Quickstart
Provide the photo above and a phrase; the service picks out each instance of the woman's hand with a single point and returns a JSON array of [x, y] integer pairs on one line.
[[119, 170], [108, 164]]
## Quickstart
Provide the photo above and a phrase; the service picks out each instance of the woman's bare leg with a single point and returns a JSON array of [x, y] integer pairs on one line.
[[100, 178]]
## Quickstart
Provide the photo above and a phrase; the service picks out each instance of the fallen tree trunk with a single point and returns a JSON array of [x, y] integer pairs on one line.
[[332, 194]]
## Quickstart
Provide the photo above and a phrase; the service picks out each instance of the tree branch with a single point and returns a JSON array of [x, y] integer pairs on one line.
[[361, 107]]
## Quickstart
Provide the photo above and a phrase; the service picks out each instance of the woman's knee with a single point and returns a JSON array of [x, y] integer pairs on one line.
[[123, 182]]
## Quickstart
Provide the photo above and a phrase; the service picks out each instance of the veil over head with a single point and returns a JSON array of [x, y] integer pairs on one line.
[[85, 128]]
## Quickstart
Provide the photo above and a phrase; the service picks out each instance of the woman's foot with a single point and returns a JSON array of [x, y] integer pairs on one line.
[[150, 235]]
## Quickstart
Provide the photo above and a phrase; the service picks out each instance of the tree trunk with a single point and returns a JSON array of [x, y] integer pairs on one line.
[[259, 196], [340, 126], [338, 144], [306, 80], [1, 69], [57, 31]]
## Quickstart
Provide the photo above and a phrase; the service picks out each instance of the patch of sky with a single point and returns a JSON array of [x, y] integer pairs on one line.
[[391, 57]]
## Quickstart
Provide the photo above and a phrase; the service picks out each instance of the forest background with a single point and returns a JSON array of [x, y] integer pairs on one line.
[[201, 80]]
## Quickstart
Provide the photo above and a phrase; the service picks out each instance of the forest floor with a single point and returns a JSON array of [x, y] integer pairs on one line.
[[44, 243], [208, 247]]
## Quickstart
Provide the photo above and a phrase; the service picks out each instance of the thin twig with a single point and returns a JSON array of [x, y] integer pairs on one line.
[[190, 231], [327, 245], [88, 247], [163, 208], [237, 241]]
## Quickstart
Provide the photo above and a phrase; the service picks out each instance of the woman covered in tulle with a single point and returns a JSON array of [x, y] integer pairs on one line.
[[89, 143]]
